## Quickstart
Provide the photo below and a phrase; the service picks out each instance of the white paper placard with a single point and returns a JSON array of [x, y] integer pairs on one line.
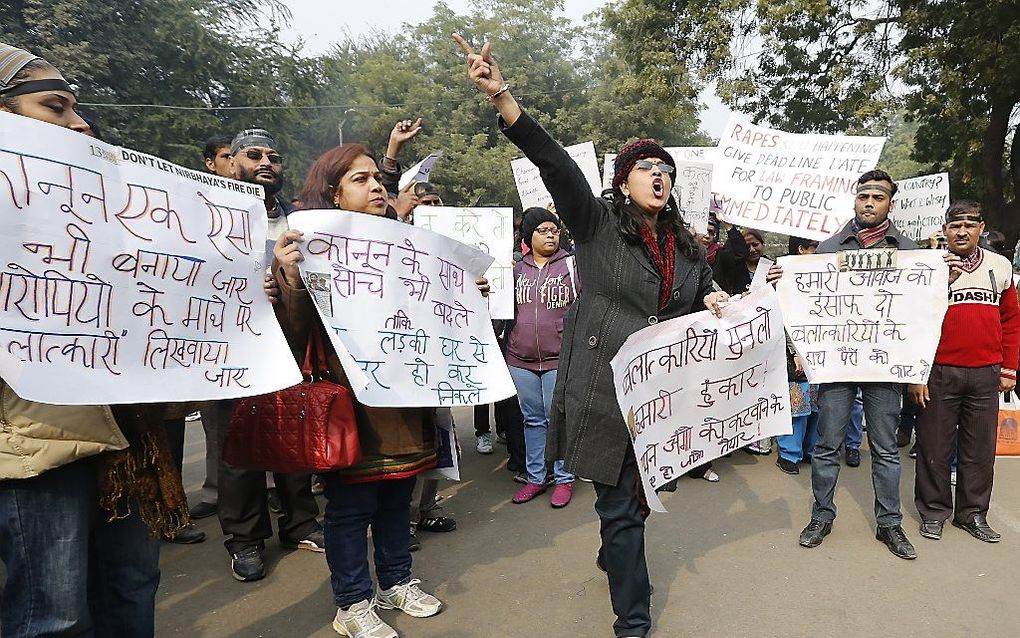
[[405, 316], [877, 324], [791, 183], [490, 230], [420, 172], [128, 279], [920, 205], [695, 388], [529, 182]]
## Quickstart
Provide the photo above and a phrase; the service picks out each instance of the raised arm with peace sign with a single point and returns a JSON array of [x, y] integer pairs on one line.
[[485, 73]]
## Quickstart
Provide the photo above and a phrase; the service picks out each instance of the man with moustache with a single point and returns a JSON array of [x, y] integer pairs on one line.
[[243, 509], [870, 228], [975, 360]]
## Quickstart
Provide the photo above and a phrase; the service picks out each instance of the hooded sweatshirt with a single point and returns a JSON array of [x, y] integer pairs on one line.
[[542, 296]]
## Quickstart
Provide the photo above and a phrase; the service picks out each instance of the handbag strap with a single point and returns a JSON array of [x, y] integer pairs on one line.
[[315, 363]]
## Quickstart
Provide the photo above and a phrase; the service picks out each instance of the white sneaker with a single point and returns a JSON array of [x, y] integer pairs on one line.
[[361, 621], [409, 599], [484, 444]]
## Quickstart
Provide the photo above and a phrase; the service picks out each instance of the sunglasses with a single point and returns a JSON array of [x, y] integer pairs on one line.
[[255, 155], [647, 165]]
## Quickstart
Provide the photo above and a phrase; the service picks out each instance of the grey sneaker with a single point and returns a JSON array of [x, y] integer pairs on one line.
[[361, 621], [484, 443], [409, 599]]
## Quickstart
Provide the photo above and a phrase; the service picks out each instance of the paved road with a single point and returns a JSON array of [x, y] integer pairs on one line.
[[725, 563]]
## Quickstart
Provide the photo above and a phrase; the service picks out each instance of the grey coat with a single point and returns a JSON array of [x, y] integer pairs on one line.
[[620, 297]]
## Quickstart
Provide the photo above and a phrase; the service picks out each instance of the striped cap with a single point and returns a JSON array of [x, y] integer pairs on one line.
[[12, 60]]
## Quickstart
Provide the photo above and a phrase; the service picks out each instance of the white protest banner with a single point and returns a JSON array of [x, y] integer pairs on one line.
[[404, 313], [490, 230], [865, 315], [529, 182], [128, 279], [695, 388], [420, 172], [796, 184], [693, 192], [695, 154], [920, 205]]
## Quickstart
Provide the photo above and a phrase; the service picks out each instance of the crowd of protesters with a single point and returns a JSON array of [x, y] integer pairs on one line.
[[109, 483]]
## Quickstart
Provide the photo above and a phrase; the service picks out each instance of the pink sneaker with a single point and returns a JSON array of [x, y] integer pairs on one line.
[[528, 492], [561, 495]]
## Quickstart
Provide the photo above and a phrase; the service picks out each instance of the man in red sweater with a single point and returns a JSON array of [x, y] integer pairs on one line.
[[976, 359]]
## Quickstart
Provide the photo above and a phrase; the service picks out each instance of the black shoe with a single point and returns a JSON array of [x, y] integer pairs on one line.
[[896, 540], [413, 544], [203, 510], [273, 500], [806, 460], [521, 477], [853, 457], [913, 451], [932, 529], [247, 565], [186, 535], [787, 466], [813, 534], [437, 524], [902, 437], [314, 542], [978, 527]]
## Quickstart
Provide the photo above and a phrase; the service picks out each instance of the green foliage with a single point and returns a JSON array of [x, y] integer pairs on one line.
[[950, 69], [210, 54]]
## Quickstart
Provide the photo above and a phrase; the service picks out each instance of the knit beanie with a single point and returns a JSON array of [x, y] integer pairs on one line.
[[533, 218], [641, 149]]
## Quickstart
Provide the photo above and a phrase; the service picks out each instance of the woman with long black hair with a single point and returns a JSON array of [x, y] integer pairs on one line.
[[640, 265]]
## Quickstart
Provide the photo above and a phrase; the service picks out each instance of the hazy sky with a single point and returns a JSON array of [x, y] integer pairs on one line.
[[320, 23]]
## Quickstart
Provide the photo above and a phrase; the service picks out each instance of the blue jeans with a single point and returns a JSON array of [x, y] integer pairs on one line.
[[350, 509], [855, 433], [535, 393], [882, 406], [70, 572], [793, 447]]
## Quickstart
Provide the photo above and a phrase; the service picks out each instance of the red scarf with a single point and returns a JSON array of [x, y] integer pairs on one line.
[[664, 261], [868, 237]]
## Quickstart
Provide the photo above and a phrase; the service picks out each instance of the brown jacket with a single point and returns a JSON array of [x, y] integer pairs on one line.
[[383, 431]]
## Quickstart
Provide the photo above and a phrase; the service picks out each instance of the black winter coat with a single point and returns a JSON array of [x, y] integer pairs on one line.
[[620, 296]]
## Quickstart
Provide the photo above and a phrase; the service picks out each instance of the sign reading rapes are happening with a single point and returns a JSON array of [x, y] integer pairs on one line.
[[865, 315], [791, 183], [697, 387], [402, 310], [125, 278]]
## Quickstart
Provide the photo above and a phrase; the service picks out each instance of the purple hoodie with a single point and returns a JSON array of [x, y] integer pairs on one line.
[[542, 298]]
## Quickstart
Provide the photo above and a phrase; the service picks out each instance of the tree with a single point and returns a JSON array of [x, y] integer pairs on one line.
[[953, 68]]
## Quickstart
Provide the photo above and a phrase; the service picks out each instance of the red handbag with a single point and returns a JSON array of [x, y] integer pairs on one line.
[[306, 428]]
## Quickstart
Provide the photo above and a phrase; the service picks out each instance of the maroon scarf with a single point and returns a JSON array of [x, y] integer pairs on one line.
[[868, 237], [665, 261]]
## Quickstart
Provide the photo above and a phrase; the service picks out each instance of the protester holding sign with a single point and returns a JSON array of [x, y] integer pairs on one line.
[[85, 491], [976, 359], [639, 265], [870, 228], [397, 443]]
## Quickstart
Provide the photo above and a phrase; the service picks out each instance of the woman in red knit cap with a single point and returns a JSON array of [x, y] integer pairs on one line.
[[640, 265]]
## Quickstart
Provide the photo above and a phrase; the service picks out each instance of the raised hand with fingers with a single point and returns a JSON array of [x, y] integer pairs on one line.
[[403, 132], [482, 68]]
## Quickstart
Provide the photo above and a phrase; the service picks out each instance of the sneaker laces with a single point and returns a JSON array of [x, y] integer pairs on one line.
[[364, 619], [412, 593]]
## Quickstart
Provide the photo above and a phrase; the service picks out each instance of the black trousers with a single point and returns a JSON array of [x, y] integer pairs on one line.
[[510, 421], [962, 411], [243, 511], [623, 550]]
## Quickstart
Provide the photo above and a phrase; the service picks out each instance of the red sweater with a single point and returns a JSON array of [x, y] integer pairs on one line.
[[982, 325]]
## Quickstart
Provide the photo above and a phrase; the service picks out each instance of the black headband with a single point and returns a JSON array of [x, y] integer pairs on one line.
[[37, 86]]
